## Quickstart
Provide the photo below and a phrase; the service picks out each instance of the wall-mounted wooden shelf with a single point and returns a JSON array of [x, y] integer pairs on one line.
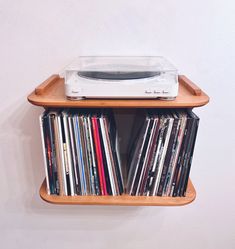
[[51, 94]]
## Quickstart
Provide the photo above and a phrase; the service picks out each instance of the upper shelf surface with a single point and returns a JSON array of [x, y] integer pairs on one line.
[[51, 93]]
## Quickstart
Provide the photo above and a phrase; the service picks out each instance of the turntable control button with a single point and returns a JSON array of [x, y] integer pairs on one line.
[[156, 91], [165, 92], [148, 91]]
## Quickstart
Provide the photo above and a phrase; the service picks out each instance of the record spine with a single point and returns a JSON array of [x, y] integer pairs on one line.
[[116, 163], [190, 155], [74, 156], [183, 121], [84, 154], [169, 153], [61, 146], [169, 123], [142, 156], [44, 152], [107, 155], [79, 155], [68, 153], [53, 155], [146, 158], [99, 157], [131, 179], [178, 166], [94, 162]]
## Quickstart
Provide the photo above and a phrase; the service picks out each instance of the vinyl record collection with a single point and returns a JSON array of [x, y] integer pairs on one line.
[[161, 155], [81, 152]]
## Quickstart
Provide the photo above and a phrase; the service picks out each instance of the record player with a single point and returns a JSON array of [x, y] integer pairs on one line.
[[121, 77]]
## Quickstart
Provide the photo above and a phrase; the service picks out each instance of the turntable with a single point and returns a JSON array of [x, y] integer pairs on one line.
[[121, 77]]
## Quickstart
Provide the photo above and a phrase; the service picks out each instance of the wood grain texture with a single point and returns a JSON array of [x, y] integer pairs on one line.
[[123, 200], [54, 96]]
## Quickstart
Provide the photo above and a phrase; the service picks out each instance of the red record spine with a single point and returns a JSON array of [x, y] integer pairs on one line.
[[103, 187]]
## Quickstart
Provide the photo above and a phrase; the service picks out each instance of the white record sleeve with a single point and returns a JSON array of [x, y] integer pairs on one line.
[[61, 146], [68, 152]]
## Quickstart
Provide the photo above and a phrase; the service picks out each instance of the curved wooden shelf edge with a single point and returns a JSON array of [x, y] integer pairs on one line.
[[188, 84], [43, 87], [123, 200]]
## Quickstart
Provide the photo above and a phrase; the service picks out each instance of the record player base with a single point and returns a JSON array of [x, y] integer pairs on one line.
[[123, 200]]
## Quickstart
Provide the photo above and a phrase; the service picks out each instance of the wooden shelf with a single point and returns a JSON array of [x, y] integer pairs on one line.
[[123, 200], [51, 94]]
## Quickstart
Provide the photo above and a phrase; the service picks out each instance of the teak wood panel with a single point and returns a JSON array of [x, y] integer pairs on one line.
[[123, 200], [51, 93]]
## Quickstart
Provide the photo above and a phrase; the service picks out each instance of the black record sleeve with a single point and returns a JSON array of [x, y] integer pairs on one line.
[[112, 139], [179, 166], [134, 161], [137, 179], [190, 153], [48, 152]]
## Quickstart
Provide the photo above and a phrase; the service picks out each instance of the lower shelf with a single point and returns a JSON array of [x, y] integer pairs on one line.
[[123, 200]]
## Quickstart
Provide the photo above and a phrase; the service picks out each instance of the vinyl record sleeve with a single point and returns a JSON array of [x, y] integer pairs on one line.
[[108, 174], [94, 158], [146, 156], [142, 156], [112, 139], [136, 130], [183, 162], [183, 122], [186, 159], [149, 171], [113, 165], [89, 156], [58, 156], [136, 158], [189, 155], [114, 142], [103, 186], [79, 155], [169, 153], [68, 152], [44, 150], [48, 153], [63, 152], [108, 154], [173, 153], [178, 169], [166, 137], [53, 154], [158, 154], [84, 154], [77, 181]]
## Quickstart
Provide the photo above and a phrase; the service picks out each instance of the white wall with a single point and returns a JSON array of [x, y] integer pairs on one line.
[[38, 38]]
